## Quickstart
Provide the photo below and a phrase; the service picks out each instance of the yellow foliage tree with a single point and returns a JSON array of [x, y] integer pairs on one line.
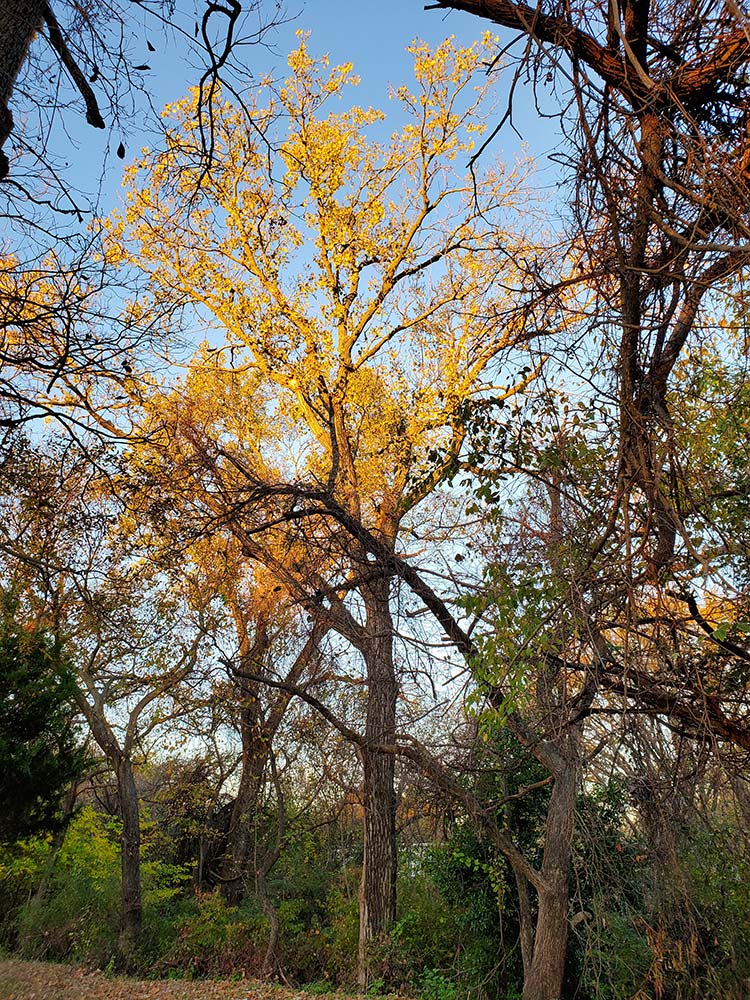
[[358, 292]]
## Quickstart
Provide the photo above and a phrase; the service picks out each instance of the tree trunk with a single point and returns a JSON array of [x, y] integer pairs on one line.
[[256, 744], [543, 979], [131, 915], [257, 733], [526, 921], [271, 957], [242, 824], [377, 896], [19, 21], [132, 909]]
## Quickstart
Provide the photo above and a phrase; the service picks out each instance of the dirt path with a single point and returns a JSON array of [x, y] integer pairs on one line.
[[47, 981]]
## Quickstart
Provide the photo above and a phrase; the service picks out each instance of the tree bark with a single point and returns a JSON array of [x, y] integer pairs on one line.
[[543, 979], [131, 918], [257, 733], [131, 913], [377, 897], [255, 749], [256, 744], [271, 956], [19, 22]]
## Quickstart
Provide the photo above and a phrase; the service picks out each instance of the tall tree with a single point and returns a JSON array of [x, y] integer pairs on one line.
[[118, 623], [365, 293], [655, 111]]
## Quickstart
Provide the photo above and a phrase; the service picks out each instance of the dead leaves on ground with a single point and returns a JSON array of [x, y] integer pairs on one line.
[[47, 981]]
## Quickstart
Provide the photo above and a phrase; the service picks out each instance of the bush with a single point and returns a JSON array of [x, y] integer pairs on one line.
[[78, 917], [693, 944], [426, 934], [22, 867], [341, 935], [215, 939], [483, 929], [433, 985], [618, 958], [40, 750]]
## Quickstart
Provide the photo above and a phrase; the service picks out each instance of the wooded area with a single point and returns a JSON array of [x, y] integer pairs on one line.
[[375, 578]]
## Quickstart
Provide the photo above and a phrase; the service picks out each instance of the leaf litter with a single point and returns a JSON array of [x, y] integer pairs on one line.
[[21, 980]]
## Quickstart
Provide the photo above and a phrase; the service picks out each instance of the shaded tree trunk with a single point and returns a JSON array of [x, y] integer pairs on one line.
[[19, 22], [255, 751], [131, 913], [257, 733], [271, 957], [543, 975], [377, 897], [131, 917]]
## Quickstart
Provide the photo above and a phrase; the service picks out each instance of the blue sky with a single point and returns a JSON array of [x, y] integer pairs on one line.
[[374, 36]]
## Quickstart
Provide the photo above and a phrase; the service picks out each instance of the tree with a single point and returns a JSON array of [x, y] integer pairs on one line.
[[41, 753], [92, 65], [534, 663], [20, 22], [653, 102], [58, 345], [659, 176], [121, 624], [266, 633], [365, 294], [162, 659], [660, 205]]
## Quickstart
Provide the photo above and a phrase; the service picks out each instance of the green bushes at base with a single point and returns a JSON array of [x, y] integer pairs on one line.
[[456, 933], [213, 939], [67, 905]]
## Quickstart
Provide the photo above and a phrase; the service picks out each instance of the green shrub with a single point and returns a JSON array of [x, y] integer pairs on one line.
[[78, 917], [433, 985], [78, 914], [426, 934], [215, 939], [41, 751], [22, 867], [341, 935], [467, 877], [619, 958]]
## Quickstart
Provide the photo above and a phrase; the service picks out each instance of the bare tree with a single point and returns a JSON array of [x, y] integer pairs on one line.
[[92, 47]]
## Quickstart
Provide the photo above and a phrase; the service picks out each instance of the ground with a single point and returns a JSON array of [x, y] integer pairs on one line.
[[48, 981]]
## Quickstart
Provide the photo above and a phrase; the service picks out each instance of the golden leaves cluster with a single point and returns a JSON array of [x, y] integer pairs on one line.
[[363, 281]]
